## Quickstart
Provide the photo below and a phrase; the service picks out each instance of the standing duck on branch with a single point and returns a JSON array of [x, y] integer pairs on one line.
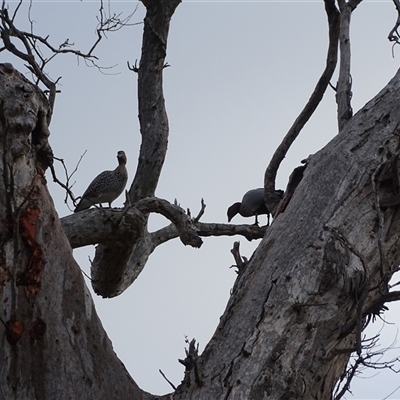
[[253, 204], [106, 187]]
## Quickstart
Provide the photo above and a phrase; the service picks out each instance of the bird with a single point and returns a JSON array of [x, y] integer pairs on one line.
[[106, 187], [253, 203]]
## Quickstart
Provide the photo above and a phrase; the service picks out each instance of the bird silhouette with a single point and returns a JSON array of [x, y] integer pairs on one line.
[[106, 187], [253, 203]]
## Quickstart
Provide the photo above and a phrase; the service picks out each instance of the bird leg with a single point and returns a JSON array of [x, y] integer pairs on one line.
[[256, 222]]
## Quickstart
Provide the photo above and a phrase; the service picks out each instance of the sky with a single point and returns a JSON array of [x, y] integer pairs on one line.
[[240, 72]]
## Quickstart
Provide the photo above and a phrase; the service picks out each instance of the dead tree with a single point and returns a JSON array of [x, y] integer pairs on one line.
[[299, 304]]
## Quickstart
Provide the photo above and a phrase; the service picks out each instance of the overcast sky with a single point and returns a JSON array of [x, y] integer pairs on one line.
[[240, 72]]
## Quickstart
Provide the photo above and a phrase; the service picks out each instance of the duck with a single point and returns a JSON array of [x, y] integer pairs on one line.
[[106, 187], [252, 204]]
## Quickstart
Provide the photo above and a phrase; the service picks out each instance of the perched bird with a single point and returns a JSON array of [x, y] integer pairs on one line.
[[106, 187], [253, 203]]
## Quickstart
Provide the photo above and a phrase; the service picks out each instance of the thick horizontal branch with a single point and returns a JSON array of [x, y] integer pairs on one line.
[[250, 232], [110, 225], [99, 226]]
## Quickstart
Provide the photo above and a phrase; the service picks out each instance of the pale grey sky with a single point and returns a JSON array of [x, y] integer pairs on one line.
[[240, 73]]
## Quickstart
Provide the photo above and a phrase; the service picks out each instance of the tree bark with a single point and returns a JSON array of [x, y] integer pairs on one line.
[[53, 343], [152, 114], [296, 310], [291, 322], [343, 89]]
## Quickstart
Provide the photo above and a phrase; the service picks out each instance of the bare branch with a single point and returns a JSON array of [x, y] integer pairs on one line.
[[170, 383], [33, 55], [67, 186], [343, 89], [104, 222], [369, 358], [312, 104], [201, 212], [7, 30]]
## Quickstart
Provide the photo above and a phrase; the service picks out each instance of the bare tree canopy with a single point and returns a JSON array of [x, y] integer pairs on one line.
[[299, 304]]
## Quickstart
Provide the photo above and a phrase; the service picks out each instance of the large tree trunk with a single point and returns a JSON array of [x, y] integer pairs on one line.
[[53, 345], [321, 268]]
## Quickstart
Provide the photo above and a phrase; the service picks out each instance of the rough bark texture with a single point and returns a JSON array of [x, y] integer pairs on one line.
[[291, 322], [53, 345], [289, 326]]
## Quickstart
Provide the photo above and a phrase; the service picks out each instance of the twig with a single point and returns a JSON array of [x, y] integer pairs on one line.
[[68, 177], [133, 68], [201, 212], [364, 360], [33, 55], [163, 375]]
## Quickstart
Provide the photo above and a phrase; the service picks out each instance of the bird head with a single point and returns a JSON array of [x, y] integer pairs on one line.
[[121, 157], [233, 210]]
